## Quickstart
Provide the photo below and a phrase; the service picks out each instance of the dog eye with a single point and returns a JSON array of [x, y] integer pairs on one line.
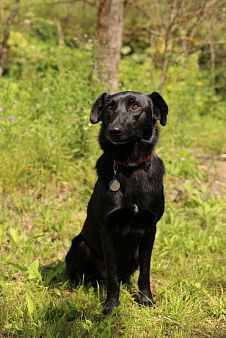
[[135, 106]]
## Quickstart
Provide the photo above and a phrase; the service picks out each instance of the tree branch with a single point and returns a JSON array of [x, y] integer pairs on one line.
[[91, 3]]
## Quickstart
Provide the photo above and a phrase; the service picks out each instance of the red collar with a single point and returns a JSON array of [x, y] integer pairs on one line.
[[132, 164]]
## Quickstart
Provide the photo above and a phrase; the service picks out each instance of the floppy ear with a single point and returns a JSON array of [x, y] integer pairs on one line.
[[96, 109], [160, 109]]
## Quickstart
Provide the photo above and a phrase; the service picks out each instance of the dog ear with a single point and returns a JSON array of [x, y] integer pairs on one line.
[[96, 109], [160, 109]]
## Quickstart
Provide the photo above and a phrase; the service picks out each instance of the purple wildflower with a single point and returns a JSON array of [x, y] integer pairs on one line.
[[15, 101], [85, 35], [75, 38], [182, 159], [1, 109], [12, 118], [25, 129], [90, 40], [186, 181]]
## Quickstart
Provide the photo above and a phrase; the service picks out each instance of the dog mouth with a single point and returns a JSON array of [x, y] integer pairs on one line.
[[119, 142], [117, 139]]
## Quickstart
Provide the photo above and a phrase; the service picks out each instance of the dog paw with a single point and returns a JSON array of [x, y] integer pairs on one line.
[[110, 306], [145, 300]]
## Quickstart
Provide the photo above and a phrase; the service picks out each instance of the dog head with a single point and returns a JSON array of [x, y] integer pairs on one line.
[[128, 116]]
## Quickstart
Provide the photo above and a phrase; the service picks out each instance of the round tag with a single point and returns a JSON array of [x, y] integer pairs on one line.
[[114, 185]]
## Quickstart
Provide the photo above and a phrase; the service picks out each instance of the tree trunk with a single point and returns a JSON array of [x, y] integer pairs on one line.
[[60, 33], [110, 30], [212, 53], [164, 62], [192, 31], [173, 11], [6, 36]]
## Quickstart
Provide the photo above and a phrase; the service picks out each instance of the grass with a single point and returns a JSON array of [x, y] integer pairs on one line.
[[47, 177], [187, 271]]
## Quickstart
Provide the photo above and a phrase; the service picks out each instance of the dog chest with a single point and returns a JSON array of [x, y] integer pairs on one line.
[[140, 189], [137, 191]]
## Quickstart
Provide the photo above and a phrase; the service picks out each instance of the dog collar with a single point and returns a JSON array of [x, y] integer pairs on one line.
[[132, 164], [114, 184]]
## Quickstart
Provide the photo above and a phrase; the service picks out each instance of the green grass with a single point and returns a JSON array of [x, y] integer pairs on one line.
[[47, 175], [187, 270]]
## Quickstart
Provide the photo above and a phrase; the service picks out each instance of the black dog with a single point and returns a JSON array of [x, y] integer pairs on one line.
[[128, 200]]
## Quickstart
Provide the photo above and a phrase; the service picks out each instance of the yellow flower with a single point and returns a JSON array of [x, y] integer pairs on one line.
[[199, 103], [199, 83], [203, 167]]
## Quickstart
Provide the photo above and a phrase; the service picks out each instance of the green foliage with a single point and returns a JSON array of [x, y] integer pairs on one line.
[[47, 157], [45, 120]]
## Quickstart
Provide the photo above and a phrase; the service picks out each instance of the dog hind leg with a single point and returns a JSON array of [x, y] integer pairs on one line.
[[78, 260]]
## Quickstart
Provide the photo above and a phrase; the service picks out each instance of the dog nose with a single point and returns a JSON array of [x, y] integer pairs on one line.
[[116, 131]]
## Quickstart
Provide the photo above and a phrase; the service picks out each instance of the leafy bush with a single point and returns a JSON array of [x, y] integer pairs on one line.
[[45, 119]]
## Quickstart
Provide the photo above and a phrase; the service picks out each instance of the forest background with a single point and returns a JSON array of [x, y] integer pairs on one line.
[[56, 58]]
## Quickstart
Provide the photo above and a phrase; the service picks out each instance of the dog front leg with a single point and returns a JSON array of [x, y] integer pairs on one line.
[[145, 250], [110, 258]]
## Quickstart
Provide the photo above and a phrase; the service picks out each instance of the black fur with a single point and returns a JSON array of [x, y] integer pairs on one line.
[[119, 231]]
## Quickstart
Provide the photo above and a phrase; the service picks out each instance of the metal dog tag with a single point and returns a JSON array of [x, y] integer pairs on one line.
[[114, 185]]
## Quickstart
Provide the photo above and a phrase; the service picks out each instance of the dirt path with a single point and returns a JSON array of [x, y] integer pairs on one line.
[[216, 167]]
